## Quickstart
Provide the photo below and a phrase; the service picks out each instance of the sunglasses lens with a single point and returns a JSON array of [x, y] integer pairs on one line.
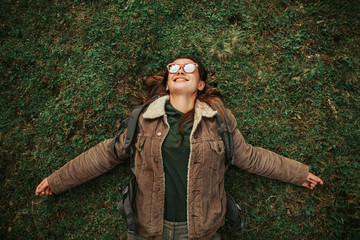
[[173, 68], [189, 68]]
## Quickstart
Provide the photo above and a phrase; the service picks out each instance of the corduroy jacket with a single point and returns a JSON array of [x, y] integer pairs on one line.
[[206, 197]]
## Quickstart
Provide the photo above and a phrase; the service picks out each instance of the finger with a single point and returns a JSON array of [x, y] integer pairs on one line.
[[38, 190], [49, 191], [314, 178], [306, 184], [321, 181], [312, 181], [318, 180], [40, 186], [309, 186]]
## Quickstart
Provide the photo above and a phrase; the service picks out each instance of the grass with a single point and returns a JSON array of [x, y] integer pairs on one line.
[[289, 70]]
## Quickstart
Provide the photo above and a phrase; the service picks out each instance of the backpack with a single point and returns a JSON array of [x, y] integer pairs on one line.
[[126, 208]]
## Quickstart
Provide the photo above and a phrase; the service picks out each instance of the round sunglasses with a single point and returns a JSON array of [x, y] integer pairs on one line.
[[188, 67]]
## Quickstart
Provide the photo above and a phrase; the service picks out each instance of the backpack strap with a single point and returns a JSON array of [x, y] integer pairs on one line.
[[131, 132], [233, 210], [125, 206], [121, 128], [131, 124], [227, 137]]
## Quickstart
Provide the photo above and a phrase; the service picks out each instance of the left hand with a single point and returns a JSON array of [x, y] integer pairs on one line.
[[43, 188], [312, 181]]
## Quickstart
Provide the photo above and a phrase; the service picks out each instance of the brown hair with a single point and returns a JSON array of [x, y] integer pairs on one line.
[[157, 86]]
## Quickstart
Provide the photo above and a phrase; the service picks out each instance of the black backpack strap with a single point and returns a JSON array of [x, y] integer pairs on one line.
[[125, 206], [233, 210], [226, 135], [121, 128], [131, 132], [231, 142], [131, 124]]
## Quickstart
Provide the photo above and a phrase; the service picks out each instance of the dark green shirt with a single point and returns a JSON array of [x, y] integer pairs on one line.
[[176, 167]]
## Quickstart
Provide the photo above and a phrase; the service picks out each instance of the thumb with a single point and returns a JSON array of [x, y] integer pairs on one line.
[[42, 186]]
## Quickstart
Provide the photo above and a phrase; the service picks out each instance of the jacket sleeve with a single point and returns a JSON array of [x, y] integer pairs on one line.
[[90, 164], [264, 162]]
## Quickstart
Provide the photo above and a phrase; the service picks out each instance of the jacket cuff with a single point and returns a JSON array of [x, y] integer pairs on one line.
[[55, 183], [301, 174]]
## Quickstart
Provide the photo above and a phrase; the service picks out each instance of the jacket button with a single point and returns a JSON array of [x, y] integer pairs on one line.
[[158, 134]]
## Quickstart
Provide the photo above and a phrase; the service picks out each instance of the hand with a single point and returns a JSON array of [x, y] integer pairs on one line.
[[311, 181], [43, 188]]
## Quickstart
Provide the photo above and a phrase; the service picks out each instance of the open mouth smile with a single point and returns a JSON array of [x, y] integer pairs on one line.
[[180, 80]]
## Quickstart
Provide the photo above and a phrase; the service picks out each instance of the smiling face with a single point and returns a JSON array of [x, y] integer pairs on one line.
[[182, 82]]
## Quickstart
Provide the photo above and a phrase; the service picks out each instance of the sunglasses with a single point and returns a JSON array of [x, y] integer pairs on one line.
[[188, 67]]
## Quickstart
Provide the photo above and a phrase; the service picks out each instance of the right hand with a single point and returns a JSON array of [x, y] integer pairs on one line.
[[43, 188]]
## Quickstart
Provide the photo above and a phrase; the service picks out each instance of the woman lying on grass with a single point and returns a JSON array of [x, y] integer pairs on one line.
[[179, 159]]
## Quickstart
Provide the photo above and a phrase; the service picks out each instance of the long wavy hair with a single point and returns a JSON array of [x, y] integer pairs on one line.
[[157, 86]]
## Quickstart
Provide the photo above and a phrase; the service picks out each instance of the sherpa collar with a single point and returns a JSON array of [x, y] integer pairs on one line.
[[157, 109]]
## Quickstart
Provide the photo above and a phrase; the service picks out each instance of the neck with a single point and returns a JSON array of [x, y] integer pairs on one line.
[[183, 103]]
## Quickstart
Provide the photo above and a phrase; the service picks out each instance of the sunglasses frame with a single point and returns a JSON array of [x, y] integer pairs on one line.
[[181, 66]]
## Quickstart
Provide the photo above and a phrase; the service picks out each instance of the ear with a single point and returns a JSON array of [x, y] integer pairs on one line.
[[201, 85], [167, 86]]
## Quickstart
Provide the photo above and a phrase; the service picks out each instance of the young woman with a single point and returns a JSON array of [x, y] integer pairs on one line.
[[179, 159]]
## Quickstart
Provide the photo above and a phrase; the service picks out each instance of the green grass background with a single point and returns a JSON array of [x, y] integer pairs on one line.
[[71, 70]]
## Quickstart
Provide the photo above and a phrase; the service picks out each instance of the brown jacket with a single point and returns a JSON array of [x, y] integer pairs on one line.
[[206, 199]]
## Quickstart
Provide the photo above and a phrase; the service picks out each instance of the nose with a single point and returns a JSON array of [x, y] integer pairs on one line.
[[181, 71]]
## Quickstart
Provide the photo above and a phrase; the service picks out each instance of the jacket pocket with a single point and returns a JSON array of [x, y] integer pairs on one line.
[[217, 155], [139, 145], [140, 154]]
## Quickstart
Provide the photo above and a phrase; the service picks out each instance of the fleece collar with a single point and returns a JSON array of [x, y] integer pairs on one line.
[[157, 109]]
